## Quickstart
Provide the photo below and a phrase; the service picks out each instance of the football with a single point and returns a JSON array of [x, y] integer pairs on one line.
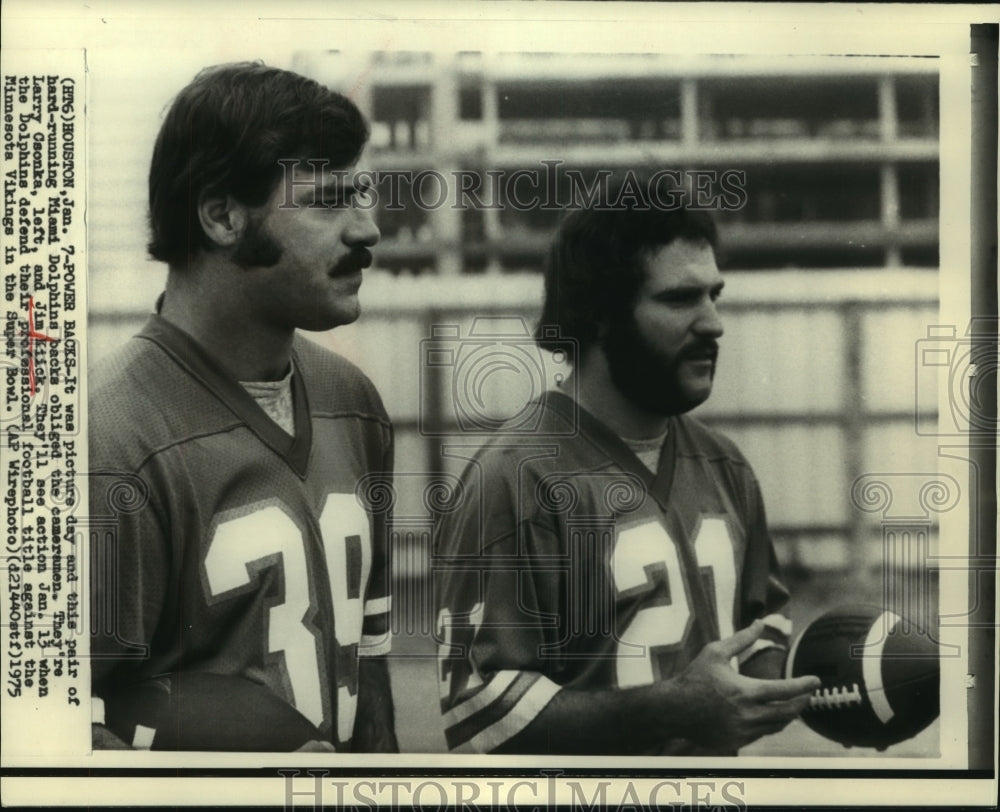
[[880, 676], [199, 711]]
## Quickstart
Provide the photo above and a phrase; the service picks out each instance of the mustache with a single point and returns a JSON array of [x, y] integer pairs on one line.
[[704, 349], [357, 260]]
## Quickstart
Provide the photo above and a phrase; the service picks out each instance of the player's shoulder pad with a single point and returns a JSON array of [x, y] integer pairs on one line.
[[695, 438], [126, 393], [111, 378], [334, 383]]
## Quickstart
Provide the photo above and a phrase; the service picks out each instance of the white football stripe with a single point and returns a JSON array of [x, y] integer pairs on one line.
[[143, 738], [96, 710], [779, 623], [790, 661], [871, 664]]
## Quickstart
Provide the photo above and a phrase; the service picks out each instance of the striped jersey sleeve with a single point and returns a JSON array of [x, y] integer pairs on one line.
[[376, 636], [496, 618], [493, 670]]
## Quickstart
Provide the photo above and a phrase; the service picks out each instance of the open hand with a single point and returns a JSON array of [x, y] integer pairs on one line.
[[724, 709]]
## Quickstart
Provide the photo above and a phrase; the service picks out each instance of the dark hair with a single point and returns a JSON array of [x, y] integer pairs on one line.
[[596, 264], [224, 134]]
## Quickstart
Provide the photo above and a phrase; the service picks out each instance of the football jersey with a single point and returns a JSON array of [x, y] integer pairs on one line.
[[569, 564], [220, 543]]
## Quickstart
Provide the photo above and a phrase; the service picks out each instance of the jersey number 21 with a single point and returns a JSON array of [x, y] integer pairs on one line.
[[648, 548]]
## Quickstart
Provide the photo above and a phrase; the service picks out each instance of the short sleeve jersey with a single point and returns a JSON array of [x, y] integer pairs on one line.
[[567, 563], [221, 543]]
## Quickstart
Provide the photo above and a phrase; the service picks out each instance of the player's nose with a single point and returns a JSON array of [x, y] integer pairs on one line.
[[361, 229], [708, 323]]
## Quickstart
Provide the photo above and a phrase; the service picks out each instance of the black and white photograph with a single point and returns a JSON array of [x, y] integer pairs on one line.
[[498, 404]]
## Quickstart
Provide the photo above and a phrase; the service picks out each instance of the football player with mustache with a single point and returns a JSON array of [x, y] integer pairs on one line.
[[226, 448], [610, 587]]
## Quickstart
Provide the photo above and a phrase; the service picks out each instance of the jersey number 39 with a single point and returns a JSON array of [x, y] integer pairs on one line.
[[243, 546]]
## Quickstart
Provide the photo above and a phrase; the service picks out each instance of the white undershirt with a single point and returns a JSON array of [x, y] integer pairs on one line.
[[275, 398], [648, 451]]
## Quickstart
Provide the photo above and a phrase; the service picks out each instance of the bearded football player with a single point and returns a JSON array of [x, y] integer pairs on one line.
[[240, 589], [607, 585]]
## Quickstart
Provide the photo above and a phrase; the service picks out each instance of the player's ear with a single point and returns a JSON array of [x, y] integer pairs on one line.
[[222, 218]]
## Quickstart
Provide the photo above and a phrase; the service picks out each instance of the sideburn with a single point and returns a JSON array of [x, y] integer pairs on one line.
[[640, 373], [257, 248]]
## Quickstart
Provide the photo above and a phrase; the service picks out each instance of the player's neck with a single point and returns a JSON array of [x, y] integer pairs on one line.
[[597, 393], [211, 310]]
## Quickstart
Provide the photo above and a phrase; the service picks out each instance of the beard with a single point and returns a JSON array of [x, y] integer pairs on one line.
[[257, 248], [647, 376]]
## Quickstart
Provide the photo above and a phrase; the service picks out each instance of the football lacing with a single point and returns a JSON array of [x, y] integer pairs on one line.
[[837, 696]]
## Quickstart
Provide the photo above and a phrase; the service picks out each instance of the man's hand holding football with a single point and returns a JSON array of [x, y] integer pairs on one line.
[[722, 708]]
